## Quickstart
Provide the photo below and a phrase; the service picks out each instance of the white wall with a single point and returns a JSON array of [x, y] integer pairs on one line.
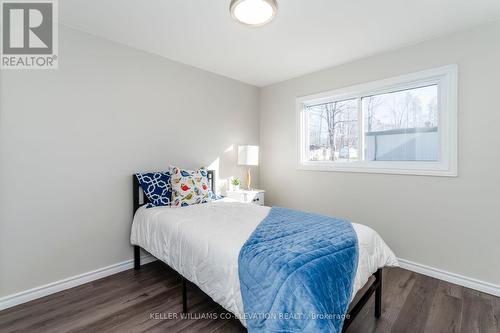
[[448, 223], [70, 139]]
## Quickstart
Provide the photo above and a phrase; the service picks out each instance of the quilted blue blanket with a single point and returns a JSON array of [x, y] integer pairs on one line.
[[297, 271]]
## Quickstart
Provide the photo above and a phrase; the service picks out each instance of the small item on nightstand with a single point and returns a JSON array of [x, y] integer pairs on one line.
[[253, 196], [235, 184]]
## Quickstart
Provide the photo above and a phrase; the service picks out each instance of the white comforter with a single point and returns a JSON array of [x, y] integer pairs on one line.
[[202, 242]]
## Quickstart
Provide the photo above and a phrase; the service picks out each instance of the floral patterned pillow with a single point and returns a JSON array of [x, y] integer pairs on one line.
[[189, 187]]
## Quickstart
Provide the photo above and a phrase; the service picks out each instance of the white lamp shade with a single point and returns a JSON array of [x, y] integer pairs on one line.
[[248, 155]]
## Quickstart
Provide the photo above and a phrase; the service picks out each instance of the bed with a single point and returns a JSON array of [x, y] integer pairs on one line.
[[202, 243]]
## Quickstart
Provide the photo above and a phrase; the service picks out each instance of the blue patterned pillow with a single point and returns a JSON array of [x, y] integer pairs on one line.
[[156, 187]]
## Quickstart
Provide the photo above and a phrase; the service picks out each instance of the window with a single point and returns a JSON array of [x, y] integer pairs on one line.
[[404, 125]]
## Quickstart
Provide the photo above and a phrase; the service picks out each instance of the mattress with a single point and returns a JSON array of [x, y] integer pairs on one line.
[[202, 243]]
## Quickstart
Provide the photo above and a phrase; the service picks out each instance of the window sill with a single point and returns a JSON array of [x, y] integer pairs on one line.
[[424, 169]]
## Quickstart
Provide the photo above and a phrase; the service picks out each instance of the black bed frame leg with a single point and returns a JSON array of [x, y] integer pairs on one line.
[[137, 257], [184, 296], [378, 294]]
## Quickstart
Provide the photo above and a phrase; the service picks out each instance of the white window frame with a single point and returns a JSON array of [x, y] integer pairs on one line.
[[446, 80]]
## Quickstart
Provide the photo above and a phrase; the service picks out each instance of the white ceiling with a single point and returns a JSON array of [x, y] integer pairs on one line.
[[306, 35]]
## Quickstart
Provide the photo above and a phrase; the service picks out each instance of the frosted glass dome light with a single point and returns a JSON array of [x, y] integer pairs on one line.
[[253, 12]]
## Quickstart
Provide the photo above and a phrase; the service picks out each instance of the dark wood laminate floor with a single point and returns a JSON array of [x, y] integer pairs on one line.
[[140, 301]]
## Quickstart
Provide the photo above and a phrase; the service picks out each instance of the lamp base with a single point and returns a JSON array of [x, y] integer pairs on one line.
[[249, 180]]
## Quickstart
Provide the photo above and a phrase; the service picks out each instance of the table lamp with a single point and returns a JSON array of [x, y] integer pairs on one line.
[[248, 156]]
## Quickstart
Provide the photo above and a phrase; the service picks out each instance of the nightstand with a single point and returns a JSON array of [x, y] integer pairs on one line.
[[253, 196]]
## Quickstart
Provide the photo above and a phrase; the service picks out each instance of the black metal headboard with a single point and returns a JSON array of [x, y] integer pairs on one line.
[[137, 189]]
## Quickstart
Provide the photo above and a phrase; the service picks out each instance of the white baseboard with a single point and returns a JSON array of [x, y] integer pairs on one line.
[[54, 287], [461, 280]]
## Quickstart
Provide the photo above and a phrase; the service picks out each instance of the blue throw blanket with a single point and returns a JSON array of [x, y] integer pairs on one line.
[[297, 271]]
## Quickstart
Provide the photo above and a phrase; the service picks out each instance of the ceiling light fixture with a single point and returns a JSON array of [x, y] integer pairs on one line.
[[253, 12]]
